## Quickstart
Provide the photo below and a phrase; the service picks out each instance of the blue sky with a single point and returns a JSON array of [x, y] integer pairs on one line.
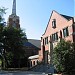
[[34, 14]]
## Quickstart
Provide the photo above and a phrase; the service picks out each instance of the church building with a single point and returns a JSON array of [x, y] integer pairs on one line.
[[31, 46], [59, 27], [13, 20]]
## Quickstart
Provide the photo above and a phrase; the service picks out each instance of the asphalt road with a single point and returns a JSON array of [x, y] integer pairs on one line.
[[21, 73]]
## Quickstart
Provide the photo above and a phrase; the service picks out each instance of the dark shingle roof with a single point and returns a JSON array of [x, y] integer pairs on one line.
[[33, 43], [36, 43], [28, 44], [67, 17]]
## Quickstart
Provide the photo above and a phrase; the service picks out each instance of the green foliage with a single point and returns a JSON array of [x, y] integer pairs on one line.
[[70, 60], [2, 12], [13, 44], [11, 47], [59, 53]]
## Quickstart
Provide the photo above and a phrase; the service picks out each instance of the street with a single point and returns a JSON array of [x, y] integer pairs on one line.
[[22, 73]]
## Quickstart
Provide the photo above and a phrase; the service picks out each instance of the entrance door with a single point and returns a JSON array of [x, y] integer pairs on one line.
[[46, 56]]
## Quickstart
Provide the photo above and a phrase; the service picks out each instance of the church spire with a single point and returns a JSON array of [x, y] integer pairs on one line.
[[13, 20], [14, 7]]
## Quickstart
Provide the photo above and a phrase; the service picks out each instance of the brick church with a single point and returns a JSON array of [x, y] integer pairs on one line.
[[32, 46], [13, 20], [59, 26]]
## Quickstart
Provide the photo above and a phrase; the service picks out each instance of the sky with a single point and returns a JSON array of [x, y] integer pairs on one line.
[[34, 14]]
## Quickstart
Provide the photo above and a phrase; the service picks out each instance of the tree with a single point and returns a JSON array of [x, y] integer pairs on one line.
[[60, 51], [11, 44], [13, 39], [70, 60], [2, 12]]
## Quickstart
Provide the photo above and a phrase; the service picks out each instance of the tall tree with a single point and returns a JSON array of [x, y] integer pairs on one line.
[[2, 12], [13, 44]]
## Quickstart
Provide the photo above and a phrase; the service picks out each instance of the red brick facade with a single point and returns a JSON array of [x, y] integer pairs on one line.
[[59, 26]]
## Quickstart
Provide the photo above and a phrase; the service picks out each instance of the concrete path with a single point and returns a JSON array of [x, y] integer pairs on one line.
[[22, 73]]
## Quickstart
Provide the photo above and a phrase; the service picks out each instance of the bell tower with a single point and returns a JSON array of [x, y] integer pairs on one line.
[[13, 20]]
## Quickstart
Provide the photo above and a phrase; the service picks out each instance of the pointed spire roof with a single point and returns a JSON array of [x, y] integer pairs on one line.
[[14, 7]]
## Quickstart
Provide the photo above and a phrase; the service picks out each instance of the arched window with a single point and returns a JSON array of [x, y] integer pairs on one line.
[[33, 62]]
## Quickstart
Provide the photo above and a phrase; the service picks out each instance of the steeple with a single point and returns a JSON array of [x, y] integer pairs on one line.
[[13, 20], [14, 7]]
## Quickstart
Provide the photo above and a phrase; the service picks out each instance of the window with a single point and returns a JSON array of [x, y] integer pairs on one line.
[[54, 23], [65, 32], [46, 40], [60, 34], [33, 62], [43, 41], [55, 36]]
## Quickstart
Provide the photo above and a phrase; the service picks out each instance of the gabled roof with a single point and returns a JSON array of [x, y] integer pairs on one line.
[[64, 16], [36, 43], [28, 44], [67, 17], [33, 43]]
